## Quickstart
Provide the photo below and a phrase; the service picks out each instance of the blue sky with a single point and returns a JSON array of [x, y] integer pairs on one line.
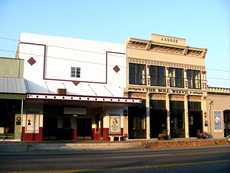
[[204, 23]]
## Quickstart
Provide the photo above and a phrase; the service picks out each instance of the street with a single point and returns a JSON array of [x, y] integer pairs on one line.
[[207, 159]]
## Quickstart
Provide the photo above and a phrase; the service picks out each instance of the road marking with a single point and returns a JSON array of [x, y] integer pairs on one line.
[[164, 165]]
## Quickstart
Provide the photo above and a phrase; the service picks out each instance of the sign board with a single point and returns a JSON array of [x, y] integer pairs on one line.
[[115, 125], [168, 40]]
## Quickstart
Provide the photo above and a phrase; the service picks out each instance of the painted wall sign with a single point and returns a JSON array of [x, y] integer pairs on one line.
[[115, 125]]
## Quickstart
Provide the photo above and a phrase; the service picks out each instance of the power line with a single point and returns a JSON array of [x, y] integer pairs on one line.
[[55, 57], [71, 59], [81, 50], [61, 47], [97, 52]]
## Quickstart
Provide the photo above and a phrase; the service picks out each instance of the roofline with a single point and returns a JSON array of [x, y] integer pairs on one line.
[[169, 36], [11, 58], [218, 90], [165, 44]]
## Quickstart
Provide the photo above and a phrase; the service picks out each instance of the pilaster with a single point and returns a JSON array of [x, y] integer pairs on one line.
[[167, 106], [147, 105], [186, 123]]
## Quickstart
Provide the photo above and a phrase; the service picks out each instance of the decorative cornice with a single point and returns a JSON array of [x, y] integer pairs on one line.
[[166, 64], [149, 45]]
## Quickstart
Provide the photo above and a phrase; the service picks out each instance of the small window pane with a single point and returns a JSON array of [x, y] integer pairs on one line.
[[75, 72]]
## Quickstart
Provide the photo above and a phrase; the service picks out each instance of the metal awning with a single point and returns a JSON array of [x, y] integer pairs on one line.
[[12, 88]]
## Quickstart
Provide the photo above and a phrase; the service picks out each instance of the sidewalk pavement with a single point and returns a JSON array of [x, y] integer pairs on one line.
[[26, 147], [108, 146]]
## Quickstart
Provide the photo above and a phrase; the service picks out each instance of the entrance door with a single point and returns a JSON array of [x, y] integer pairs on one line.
[[84, 127], [157, 122], [136, 121], [195, 123]]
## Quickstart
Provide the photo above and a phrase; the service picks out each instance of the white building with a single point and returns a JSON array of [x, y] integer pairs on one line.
[[75, 89]]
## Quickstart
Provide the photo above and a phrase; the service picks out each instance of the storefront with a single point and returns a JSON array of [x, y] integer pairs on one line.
[[71, 117]]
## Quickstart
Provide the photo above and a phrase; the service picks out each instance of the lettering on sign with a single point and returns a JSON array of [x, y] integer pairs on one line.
[[168, 39]]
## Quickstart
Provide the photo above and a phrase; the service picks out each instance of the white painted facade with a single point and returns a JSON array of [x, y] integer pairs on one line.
[[54, 57], [98, 81]]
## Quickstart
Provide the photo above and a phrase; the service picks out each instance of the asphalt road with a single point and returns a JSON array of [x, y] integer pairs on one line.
[[206, 160]]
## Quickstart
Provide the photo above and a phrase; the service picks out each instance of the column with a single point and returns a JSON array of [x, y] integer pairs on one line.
[[106, 127], [185, 79], [186, 123], [125, 128], [168, 115], [40, 135], [147, 105], [204, 114]]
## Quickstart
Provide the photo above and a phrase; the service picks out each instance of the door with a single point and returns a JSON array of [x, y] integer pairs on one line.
[[195, 123], [84, 127]]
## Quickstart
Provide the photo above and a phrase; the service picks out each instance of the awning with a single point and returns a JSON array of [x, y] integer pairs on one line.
[[12, 88]]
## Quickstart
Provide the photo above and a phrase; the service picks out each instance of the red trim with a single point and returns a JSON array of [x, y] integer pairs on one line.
[[32, 137], [96, 134], [38, 44], [74, 80], [101, 134], [106, 134], [44, 64], [74, 135]]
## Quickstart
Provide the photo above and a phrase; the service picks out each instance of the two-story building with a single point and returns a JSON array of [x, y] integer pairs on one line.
[[170, 77], [75, 89]]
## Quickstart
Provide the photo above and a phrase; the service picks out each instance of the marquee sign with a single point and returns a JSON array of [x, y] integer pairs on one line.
[[84, 98]]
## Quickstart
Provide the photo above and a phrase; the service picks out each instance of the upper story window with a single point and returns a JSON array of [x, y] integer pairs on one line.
[[194, 79], [157, 75], [75, 72], [136, 74], [176, 77]]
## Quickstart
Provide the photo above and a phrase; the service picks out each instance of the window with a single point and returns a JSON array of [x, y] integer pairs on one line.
[[137, 74], [194, 79], [75, 72], [194, 106], [176, 77], [157, 75], [217, 120]]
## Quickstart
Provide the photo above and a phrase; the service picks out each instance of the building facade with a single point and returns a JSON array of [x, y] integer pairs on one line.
[[73, 89], [170, 77], [218, 106], [12, 94]]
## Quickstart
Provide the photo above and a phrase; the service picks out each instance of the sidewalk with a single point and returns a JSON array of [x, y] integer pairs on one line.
[[108, 146], [26, 147]]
